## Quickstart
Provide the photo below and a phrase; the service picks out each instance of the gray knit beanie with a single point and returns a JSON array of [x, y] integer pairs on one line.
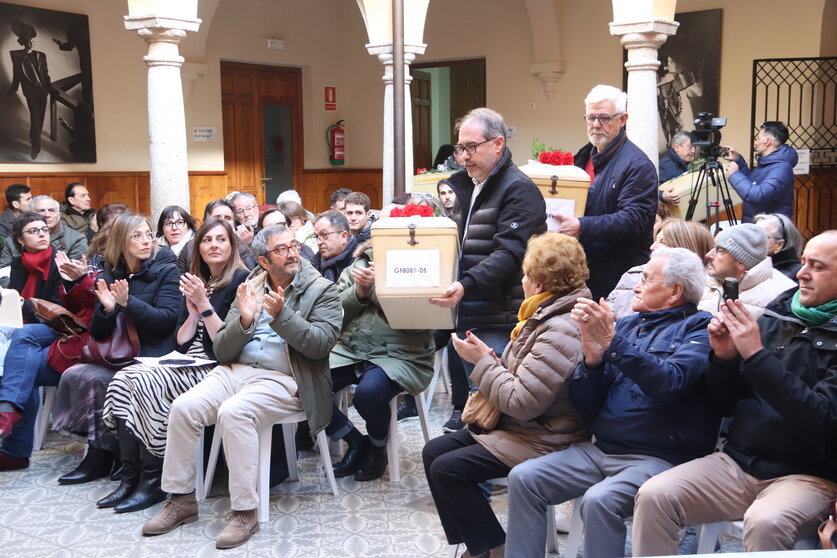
[[747, 243]]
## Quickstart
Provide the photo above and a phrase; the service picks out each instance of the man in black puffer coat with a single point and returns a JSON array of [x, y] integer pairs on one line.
[[501, 209]]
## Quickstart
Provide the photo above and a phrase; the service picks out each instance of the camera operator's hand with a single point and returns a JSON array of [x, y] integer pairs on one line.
[[732, 153], [731, 168]]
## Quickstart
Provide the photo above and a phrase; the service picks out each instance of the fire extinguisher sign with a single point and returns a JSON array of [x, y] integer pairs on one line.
[[331, 98]]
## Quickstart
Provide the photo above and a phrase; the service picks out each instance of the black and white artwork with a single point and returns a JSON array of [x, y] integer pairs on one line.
[[46, 87], [689, 78]]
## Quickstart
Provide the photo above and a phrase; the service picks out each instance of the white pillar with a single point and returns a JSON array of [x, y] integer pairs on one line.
[[166, 118], [384, 54], [642, 40]]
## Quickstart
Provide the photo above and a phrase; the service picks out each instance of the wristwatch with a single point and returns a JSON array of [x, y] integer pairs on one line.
[[207, 313]]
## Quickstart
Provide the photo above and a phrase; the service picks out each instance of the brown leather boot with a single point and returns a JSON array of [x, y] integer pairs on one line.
[[240, 526], [176, 511]]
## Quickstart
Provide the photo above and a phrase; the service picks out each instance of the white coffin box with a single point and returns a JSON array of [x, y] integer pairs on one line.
[[416, 258], [564, 188]]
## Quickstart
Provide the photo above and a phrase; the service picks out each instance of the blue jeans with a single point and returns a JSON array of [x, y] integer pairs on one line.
[[372, 394], [25, 369]]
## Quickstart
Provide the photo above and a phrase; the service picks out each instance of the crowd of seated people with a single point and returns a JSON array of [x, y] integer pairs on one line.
[[614, 402]]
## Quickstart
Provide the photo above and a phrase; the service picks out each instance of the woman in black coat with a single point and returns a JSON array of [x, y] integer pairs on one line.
[[140, 282], [140, 396]]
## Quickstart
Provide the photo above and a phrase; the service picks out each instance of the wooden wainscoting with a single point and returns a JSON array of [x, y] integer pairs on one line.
[[130, 188], [319, 184]]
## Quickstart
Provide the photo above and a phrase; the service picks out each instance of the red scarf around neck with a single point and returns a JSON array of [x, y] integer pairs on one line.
[[35, 263]]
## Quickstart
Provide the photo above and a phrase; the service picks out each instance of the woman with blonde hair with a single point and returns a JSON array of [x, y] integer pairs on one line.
[[674, 233], [529, 387], [141, 284], [139, 397]]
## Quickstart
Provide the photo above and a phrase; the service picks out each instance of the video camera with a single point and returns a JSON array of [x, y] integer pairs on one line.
[[707, 135]]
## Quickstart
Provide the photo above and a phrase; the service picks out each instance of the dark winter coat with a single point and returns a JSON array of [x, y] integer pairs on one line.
[[618, 220], [672, 166], [768, 188], [507, 212], [783, 399]]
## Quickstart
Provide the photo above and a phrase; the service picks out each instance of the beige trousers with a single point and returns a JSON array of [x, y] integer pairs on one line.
[[241, 400], [776, 512]]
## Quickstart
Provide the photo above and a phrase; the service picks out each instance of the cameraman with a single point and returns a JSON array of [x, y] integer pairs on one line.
[[768, 188]]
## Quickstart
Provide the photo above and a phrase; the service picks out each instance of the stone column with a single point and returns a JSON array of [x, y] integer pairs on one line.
[[166, 118], [384, 54], [642, 40]]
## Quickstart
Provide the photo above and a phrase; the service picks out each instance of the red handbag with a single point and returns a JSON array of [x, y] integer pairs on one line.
[[115, 351]]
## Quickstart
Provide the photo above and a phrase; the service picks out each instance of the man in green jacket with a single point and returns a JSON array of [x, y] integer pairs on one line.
[[274, 352]]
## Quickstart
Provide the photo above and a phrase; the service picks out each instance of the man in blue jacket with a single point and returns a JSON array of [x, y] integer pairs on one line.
[[768, 188], [643, 380], [618, 220]]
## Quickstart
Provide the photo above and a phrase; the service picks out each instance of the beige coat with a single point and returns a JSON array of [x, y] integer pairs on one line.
[[759, 286], [531, 386]]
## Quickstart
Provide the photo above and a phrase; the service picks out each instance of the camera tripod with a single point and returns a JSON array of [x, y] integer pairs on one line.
[[711, 175]]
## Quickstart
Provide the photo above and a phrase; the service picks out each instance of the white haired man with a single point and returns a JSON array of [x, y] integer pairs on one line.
[[618, 222]]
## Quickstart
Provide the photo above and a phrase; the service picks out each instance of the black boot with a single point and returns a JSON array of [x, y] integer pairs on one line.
[[303, 438], [95, 465], [356, 455], [129, 452], [148, 491], [375, 466]]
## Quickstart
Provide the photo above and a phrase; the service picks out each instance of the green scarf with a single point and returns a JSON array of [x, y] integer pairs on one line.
[[527, 309], [814, 316]]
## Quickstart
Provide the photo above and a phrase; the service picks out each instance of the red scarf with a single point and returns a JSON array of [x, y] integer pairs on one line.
[[39, 262]]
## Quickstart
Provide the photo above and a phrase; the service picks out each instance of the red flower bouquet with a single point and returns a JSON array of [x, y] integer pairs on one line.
[[412, 210], [555, 158]]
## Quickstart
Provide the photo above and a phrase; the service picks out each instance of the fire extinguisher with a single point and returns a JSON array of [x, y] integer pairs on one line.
[[336, 139]]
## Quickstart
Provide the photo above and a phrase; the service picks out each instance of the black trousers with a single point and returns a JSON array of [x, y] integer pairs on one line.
[[454, 465]]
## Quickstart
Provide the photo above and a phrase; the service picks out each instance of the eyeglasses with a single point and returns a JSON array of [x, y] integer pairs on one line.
[[718, 250], [282, 250], [604, 119], [471, 148], [36, 231], [138, 236], [645, 280], [324, 236], [245, 210], [172, 224]]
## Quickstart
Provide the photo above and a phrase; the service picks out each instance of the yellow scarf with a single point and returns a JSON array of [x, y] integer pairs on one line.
[[527, 309]]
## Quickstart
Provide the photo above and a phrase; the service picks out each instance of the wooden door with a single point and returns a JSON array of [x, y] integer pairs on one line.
[[467, 89], [262, 115], [422, 140]]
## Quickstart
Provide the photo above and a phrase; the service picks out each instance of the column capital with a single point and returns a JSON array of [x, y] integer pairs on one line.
[[153, 22], [384, 52], [550, 74], [644, 31]]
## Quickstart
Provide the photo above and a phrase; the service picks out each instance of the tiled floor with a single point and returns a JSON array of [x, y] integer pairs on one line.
[[39, 518]]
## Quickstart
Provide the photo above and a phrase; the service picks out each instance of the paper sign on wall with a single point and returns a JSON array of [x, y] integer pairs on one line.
[[557, 205], [803, 165], [413, 268]]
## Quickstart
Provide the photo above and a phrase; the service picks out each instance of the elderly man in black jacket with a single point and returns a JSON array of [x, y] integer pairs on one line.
[[501, 209], [618, 220], [778, 379]]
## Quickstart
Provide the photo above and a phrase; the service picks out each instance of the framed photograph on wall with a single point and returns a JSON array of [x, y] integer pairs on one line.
[[689, 77], [46, 87]]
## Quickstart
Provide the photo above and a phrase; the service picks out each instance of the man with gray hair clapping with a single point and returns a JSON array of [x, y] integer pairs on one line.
[[642, 381]]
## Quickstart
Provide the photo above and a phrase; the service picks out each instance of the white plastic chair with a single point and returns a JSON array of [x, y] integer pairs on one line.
[[708, 534], [440, 369], [44, 413], [265, 436]]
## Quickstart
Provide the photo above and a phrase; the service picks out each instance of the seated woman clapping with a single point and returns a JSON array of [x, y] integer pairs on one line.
[[139, 397], [140, 283], [529, 386]]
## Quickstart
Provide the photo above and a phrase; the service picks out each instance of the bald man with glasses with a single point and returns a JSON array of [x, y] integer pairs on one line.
[[616, 229]]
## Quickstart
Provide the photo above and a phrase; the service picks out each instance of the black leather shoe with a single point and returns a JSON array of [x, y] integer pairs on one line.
[[118, 471], [95, 465], [147, 493], [356, 455], [375, 466], [126, 487]]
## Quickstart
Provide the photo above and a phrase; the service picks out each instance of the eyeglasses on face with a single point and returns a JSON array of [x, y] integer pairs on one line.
[[171, 224], [140, 236], [471, 148], [34, 231], [245, 210], [604, 119], [718, 250], [282, 250], [645, 280], [324, 235]]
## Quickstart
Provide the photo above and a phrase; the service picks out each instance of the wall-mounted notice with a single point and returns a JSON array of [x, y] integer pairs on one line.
[[413, 268], [204, 133]]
